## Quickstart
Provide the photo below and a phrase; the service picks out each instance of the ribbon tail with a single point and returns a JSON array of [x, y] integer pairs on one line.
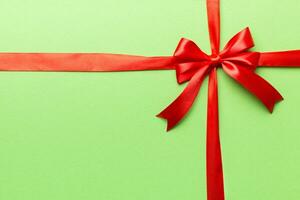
[[263, 90], [83, 62], [280, 59], [180, 107], [214, 170]]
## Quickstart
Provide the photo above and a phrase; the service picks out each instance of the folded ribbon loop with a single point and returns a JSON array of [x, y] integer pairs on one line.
[[241, 42], [188, 51], [193, 65]]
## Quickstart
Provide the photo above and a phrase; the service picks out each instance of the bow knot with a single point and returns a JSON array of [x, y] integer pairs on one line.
[[215, 59], [193, 65]]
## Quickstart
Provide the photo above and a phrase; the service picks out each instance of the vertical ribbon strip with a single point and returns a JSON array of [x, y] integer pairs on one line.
[[214, 169]]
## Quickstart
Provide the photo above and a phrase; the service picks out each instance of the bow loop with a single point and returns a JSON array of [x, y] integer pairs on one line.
[[241, 42], [190, 59], [247, 59], [188, 51]]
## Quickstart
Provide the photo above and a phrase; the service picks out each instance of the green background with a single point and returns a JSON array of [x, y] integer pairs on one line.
[[74, 136]]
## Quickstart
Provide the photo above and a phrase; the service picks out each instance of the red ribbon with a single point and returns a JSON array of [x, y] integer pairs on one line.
[[192, 65]]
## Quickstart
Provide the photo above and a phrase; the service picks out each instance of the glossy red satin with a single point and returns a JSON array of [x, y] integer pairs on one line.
[[81, 62], [192, 65], [235, 59]]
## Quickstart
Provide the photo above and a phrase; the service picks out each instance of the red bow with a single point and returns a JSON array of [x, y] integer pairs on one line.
[[191, 65], [236, 61]]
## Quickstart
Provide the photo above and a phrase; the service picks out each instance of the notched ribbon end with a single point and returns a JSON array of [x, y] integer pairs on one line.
[[272, 106], [170, 125]]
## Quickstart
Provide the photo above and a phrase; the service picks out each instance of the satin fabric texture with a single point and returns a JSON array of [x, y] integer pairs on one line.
[[192, 65]]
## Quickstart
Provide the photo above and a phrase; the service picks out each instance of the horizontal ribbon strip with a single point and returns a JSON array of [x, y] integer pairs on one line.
[[81, 62]]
